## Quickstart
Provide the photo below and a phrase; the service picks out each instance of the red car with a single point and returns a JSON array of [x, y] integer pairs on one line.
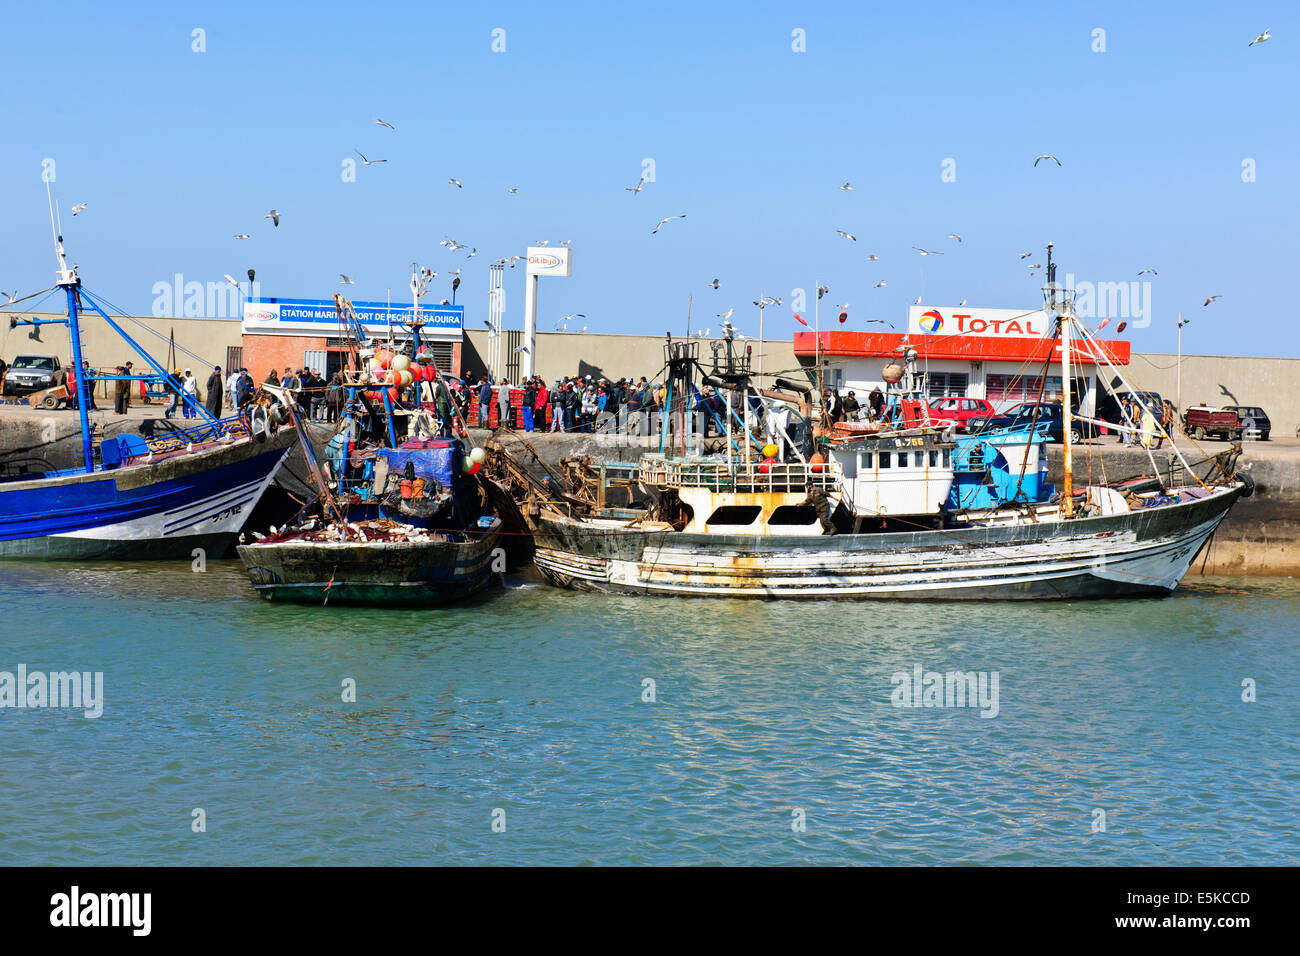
[[959, 409]]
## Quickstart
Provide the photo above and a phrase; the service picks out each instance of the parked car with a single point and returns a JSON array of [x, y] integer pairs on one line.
[[1021, 415], [960, 410], [1252, 416], [1201, 421], [32, 373]]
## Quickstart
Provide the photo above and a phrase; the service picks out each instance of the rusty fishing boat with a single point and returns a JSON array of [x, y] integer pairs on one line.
[[868, 514], [402, 516]]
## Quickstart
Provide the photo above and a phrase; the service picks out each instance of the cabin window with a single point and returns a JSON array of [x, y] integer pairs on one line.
[[884, 459], [947, 458], [918, 459], [735, 514], [902, 459], [934, 458], [866, 460], [801, 515]]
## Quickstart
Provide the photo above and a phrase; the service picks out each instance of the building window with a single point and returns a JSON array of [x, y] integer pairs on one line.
[[943, 384]]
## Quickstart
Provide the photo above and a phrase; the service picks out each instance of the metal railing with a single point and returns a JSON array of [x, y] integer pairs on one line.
[[739, 476]]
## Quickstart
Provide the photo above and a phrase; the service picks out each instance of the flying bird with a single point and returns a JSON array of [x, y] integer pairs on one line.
[[927, 252], [1145, 271], [846, 187], [879, 322], [879, 285], [1025, 255], [873, 258], [953, 235], [1035, 265], [635, 189], [669, 219], [1047, 156], [382, 123], [715, 283], [472, 253], [454, 272], [1261, 38], [232, 280], [242, 235], [521, 348], [78, 207], [369, 162], [455, 182], [841, 232], [273, 216], [512, 190], [345, 280], [1213, 298]]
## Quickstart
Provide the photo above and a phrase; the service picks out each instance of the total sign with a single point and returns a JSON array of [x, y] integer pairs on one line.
[[549, 262], [980, 323]]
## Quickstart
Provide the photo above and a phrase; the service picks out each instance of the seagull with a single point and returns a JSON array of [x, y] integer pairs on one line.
[[273, 216], [454, 272], [728, 314], [242, 235], [472, 253], [583, 329], [369, 162], [841, 232], [926, 252], [846, 187], [879, 322], [669, 219], [382, 123], [512, 190], [345, 280], [521, 348], [1152, 271], [455, 182], [714, 284], [1260, 39], [635, 189], [961, 304], [1025, 255], [1048, 156], [12, 296], [567, 242], [842, 308], [1213, 298], [702, 334], [78, 207], [918, 301], [542, 242], [879, 285], [232, 280], [873, 258], [514, 259], [1035, 265], [953, 235]]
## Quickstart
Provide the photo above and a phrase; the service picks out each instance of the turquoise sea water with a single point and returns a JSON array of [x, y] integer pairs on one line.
[[529, 701]]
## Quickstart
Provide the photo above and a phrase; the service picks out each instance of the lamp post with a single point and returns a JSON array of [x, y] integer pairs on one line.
[[252, 292], [763, 301], [1181, 323]]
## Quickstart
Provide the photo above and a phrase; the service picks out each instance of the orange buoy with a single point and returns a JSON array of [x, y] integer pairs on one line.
[[816, 462]]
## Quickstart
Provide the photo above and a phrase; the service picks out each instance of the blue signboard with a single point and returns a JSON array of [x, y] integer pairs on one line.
[[319, 316]]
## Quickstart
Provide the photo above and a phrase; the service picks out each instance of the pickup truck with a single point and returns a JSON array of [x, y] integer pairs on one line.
[[1200, 421], [32, 373], [960, 410]]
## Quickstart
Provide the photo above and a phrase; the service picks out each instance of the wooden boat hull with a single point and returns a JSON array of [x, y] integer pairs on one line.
[[377, 573], [155, 511], [1142, 552]]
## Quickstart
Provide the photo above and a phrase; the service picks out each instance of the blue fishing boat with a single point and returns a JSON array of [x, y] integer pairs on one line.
[[132, 497]]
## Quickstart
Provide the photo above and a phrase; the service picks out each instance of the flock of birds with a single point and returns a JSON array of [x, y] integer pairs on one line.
[[562, 325]]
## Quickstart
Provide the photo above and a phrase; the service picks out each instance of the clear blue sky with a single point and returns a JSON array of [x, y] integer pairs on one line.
[[176, 151]]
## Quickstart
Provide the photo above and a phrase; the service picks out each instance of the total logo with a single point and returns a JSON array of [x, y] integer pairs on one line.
[[931, 322]]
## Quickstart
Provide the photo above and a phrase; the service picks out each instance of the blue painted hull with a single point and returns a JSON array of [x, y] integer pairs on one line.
[[154, 511]]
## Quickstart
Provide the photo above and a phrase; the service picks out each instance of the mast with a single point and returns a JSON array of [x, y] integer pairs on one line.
[[1062, 308], [69, 282]]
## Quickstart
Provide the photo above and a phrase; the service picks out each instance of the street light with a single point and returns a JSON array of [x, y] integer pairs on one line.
[[1181, 323], [251, 275], [763, 301]]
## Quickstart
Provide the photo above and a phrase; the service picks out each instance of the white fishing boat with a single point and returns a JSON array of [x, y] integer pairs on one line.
[[740, 526]]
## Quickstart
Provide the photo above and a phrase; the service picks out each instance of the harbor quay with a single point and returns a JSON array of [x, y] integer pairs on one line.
[[1260, 536]]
